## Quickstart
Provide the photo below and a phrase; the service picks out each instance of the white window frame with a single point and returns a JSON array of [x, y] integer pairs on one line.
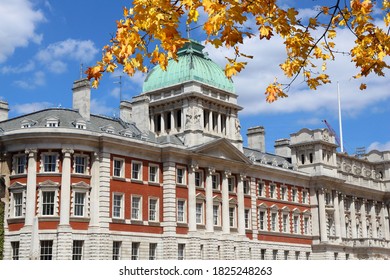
[[121, 206], [296, 223], [272, 190], [305, 197], [199, 209], [215, 182], [44, 164], [116, 250], [46, 204], [232, 216], [136, 173], [76, 165], [181, 211], [79, 206], [246, 185], [260, 189], [136, 210], [18, 208], [17, 164], [284, 193], [48, 186], [122, 167], [247, 218], [155, 211], [152, 251], [155, 174], [46, 249], [294, 195], [15, 249], [78, 250], [274, 222], [306, 225], [200, 179], [264, 220], [217, 214], [180, 175], [286, 222], [135, 250], [231, 180], [181, 249]]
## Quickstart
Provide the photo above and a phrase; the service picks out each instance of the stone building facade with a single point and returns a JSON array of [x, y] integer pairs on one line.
[[170, 179]]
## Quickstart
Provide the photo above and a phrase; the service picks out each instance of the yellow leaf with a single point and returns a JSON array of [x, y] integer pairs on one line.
[[363, 86]]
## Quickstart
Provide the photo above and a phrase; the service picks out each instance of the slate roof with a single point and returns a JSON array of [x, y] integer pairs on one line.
[[268, 159]]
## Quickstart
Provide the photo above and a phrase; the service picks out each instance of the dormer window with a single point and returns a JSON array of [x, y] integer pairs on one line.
[[80, 124], [52, 122], [108, 129], [27, 123]]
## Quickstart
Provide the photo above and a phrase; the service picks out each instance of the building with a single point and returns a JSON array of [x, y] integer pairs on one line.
[[170, 179]]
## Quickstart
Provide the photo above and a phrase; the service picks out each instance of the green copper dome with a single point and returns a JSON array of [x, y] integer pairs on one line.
[[192, 65]]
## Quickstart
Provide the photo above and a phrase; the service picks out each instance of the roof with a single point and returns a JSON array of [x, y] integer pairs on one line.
[[68, 118], [268, 159], [192, 65]]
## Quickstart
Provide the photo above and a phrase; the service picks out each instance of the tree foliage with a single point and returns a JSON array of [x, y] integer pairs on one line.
[[149, 34]]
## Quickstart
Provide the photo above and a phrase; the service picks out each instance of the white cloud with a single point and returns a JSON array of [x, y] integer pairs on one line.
[[18, 23], [26, 108], [23, 68], [101, 108], [36, 80], [56, 54], [379, 146]]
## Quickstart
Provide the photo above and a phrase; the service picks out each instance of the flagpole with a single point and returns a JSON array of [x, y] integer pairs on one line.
[[340, 123]]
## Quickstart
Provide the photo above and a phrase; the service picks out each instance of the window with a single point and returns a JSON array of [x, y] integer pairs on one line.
[[153, 209], [15, 250], [274, 221], [118, 168], [328, 199], [297, 253], [272, 189], [262, 220], [247, 218], [286, 253], [246, 186], [20, 164], [153, 173], [135, 250], [199, 213], [274, 254], [232, 216], [296, 224], [307, 255], [260, 189], [215, 181], [80, 164], [285, 222], [117, 206], [116, 250], [283, 192], [181, 251], [48, 198], [181, 211], [50, 163], [294, 195], [180, 176], [79, 204], [306, 225], [216, 215], [18, 204], [77, 250], [304, 197], [152, 251], [136, 208], [136, 170], [262, 254], [80, 124], [231, 184], [46, 249], [198, 179], [52, 122]]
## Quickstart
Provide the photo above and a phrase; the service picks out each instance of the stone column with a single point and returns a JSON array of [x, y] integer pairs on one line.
[[192, 198], [353, 218], [65, 187], [386, 221], [225, 202], [162, 116], [342, 216], [363, 217], [31, 193], [173, 123], [241, 206], [383, 220], [373, 220], [211, 121], [219, 126], [64, 245], [337, 214], [152, 125], [209, 201], [315, 214], [322, 215]]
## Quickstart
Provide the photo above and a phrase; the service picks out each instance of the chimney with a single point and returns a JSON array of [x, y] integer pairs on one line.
[[125, 110], [140, 113], [3, 110], [282, 147], [256, 138], [82, 97]]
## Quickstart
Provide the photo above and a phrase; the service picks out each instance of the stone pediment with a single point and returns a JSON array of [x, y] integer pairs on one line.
[[222, 149], [81, 185], [17, 186], [48, 183]]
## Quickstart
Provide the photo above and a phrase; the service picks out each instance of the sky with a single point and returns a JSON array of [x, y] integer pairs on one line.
[[44, 44]]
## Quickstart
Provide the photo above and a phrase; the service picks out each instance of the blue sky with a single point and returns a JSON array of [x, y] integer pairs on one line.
[[44, 42]]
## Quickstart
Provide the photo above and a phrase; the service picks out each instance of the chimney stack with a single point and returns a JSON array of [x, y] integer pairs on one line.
[[82, 97], [140, 113], [282, 147], [3, 110], [256, 138], [125, 111]]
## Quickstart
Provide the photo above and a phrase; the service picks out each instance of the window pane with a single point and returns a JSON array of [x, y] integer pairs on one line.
[[49, 164], [117, 205], [80, 164], [48, 203], [152, 251], [79, 202], [18, 204], [46, 249], [135, 208], [153, 209], [77, 250], [116, 250]]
